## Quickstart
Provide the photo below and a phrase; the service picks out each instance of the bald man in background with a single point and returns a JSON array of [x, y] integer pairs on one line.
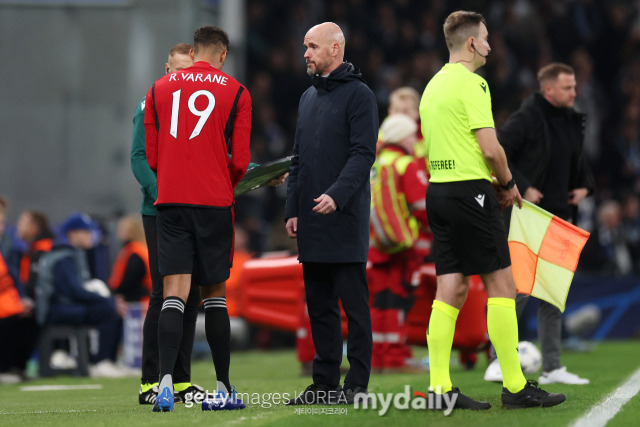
[[327, 211]]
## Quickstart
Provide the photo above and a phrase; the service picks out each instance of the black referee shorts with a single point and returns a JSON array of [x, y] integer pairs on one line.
[[469, 235], [195, 240]]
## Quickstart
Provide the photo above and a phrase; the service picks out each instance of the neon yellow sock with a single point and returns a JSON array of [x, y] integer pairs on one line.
[[442, 325], [178, 387], [146, 387], [502, 326]]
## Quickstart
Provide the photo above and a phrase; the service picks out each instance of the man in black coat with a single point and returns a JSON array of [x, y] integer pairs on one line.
[[328, 203], [543, 143]]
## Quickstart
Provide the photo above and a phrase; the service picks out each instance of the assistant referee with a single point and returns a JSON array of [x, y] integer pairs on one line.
[[464, 213]]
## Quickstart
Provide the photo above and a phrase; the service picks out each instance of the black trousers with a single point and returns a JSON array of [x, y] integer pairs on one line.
[[324, 285], [150, 355], [19, 337]]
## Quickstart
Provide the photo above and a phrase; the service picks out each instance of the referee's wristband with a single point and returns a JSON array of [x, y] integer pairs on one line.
[[509, 185]]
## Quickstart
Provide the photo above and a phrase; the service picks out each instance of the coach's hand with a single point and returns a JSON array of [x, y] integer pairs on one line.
[[509, 197], [292, 227], [325, 205]]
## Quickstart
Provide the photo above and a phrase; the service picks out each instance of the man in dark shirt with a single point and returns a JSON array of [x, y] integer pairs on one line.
[[328, 202], [543, 143]]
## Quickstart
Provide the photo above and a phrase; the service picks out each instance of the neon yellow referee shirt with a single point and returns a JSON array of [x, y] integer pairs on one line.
[[454, 104]]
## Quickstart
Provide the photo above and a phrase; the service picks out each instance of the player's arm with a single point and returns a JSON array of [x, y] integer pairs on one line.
[[495, 157], [240, 154], [151, 133], [139, 164]]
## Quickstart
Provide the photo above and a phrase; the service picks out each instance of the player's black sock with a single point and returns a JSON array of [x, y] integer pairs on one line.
[[169, 333], [182, 369], [218, 332]]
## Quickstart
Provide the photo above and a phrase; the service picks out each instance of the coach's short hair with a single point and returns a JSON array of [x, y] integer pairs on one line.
[[180, 48], [552, 71], [210, 36], [461, 25]]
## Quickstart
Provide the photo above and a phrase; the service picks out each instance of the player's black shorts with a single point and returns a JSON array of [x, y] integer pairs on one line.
[[469, 234], [195, 240]]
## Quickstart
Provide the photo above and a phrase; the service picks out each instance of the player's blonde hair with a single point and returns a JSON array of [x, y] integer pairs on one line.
[[180, 48]]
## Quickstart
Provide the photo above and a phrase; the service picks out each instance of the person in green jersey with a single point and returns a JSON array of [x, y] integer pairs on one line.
[[465, 215]]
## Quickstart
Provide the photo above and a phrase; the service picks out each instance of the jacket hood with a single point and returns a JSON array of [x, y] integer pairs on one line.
[[343, 74]]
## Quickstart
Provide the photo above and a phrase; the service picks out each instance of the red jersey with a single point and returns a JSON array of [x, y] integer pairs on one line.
[[188, 115]]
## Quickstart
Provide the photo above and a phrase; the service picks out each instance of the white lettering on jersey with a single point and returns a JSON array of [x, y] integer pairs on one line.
[[201, 78]]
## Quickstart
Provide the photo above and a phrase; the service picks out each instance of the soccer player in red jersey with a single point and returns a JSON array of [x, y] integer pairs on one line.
[[197, 127]]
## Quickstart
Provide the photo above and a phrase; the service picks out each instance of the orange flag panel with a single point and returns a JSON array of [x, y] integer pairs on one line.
[[524, 270], [562, 244]]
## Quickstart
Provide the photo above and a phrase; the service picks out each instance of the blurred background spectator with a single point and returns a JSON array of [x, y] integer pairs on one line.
[[130, 278]]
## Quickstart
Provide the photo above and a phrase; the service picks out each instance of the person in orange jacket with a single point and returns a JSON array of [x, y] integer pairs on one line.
[[130, 276], [18, 329]]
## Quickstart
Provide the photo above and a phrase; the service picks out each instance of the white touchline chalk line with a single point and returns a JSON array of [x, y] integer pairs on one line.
[[60, 387], [48, 412], [602, 413]]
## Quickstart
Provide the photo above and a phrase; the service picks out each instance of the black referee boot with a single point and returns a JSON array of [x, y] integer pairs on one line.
[[531, 396], [462, 401]]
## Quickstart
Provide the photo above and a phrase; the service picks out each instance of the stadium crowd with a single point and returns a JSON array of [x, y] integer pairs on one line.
[[400, 44]]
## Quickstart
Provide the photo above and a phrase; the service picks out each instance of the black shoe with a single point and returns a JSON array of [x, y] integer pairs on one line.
[[352, 393], [531, 396], [318, 394], [462, 401], [188, 394], [148, 397]]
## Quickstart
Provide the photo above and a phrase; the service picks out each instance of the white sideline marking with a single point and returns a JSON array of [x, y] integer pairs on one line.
[[61, 387], [48, 412], [602, 413]]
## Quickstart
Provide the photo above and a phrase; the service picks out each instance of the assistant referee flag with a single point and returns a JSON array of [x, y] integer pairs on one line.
[[544, 253]]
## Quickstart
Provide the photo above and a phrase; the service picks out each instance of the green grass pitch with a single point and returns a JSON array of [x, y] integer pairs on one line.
[[608, 366]]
